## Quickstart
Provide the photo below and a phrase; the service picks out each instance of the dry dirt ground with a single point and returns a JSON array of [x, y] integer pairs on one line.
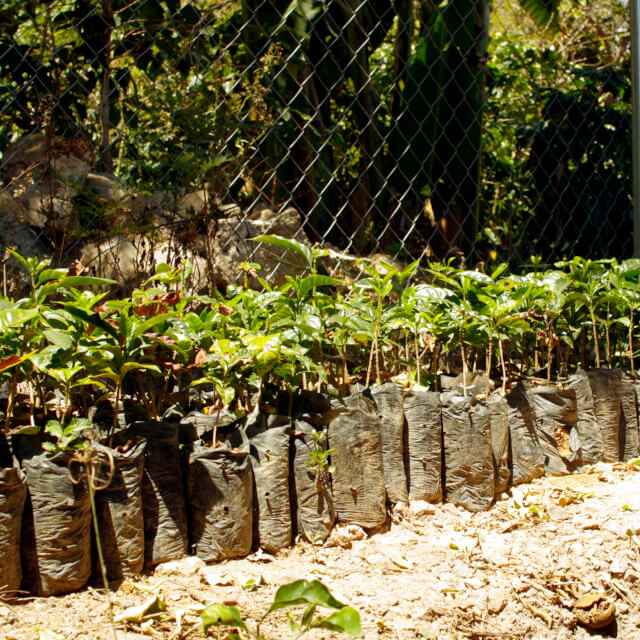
[[520, 570]]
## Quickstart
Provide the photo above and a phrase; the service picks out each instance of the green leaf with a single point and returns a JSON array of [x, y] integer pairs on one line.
[[20, 259], [137, 366], [290, 244], [150, 323], [91, 319], [221, 614], [51, 274], [15, 316], [86, 281], [304, 592], [138, 613], [60, 339], [346, 620], [312, 282]]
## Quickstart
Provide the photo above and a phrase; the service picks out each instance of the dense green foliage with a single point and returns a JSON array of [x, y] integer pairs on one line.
[[65, 347], [370, 117]]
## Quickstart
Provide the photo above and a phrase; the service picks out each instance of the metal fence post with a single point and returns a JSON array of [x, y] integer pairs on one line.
[[635, 84]]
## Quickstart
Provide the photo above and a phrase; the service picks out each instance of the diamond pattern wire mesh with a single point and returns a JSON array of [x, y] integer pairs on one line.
[[416, 129]]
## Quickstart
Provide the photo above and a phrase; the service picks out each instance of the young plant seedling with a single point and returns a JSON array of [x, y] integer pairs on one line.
[[311, 595]]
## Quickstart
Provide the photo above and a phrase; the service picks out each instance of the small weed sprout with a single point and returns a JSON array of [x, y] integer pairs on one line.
[[319, 457]]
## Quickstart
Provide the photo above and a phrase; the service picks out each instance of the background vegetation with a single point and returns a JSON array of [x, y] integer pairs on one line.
[[488, 128]]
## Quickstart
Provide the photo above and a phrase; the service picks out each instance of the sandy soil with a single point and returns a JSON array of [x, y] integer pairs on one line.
[[520, 570]]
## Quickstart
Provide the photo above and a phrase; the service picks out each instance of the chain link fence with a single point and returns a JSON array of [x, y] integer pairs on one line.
[[414, 129]]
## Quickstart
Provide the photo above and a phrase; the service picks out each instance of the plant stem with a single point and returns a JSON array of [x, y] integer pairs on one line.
[[607, 334], [594, 328], [370, 365], [489, 359], [345, 372], [103, 567], [633, 373], [464, 364], [116, 411], [415, 345], [504, 368]]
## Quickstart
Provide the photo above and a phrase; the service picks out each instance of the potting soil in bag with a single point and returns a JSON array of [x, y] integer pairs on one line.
[[527, 455], [587, 423], [628, 417], [468, 454], [500, 441], [556, 425], [311, 484], [389, 400], [220, 488], [13, 492], [119, 511], [269, 437], [163, 507], [195, 424], [358, 476], [56, 535], [424, 445], [605, 387]]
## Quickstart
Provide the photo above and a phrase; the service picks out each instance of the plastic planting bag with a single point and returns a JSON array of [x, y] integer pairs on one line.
[[628, 417], [119, 511], [13, 492], [269, 437], [476, 383], [163, 507], [587, 423], [605, 387], [468, 454], [389, 400], [500, 441], [358, 477], [311, 483], [527, 455], [220, 486], [424, 445], [556, 425], [56, 535]]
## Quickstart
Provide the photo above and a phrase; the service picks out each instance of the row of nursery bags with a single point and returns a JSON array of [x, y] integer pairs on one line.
[[269, 480]]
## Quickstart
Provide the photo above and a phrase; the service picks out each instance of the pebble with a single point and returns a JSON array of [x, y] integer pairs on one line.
[[496, 601], [557, 514], [185, 567], [618, 566], [420, 508]]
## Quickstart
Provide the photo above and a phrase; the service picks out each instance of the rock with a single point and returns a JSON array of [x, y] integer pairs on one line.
[[106, 185], [557, 514], [191, 204], [400, 509], [216, 577], [131, 259], [618, 566], [421, 508], [495, 549], [7, 616], [231, 246], [188, 566], [26, 242], [344, 535], [9, 205], [631, 576], [496, 601], [26, 152], [70, 169]]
